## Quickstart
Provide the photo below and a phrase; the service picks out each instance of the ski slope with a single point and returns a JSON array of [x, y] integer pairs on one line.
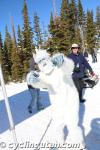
[[32, 129]]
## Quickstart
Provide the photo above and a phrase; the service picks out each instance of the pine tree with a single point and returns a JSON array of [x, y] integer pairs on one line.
[[59, 29], [81, 24], [13, 32], [16, 65], [27, 38], [80, 13], [78, 37], [54, 29], [98, 26], [90, 36], [98, 19], [65, 25], [16, 62], [73, 20], [51, 26], [7, 63], [20, 44], [37, 31], [1, 48], [20, 47]]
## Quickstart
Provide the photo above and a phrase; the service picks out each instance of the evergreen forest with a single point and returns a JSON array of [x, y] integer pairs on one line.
[[72, 25]]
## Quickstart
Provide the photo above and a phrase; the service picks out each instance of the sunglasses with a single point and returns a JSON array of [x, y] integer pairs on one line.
[[74, 47]]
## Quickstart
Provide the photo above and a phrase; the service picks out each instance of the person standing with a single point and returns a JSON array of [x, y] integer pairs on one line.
[[34, 92], [94, 55], [80, 64], [85, 54]]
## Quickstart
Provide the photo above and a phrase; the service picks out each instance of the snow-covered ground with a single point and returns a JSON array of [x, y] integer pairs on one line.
[[31, 129]]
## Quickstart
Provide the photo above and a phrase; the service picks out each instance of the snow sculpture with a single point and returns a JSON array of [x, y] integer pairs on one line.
[[55, 74]]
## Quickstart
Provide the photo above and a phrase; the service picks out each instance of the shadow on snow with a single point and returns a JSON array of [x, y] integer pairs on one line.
[[18, 104]]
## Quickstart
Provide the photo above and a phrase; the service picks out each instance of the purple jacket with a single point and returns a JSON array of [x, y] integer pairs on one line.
[[80, 64]]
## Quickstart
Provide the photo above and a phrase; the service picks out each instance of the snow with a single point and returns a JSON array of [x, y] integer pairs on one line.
[[31, 129]]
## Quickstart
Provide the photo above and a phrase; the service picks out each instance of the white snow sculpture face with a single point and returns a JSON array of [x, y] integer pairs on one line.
[[45, 65], [42, 58]]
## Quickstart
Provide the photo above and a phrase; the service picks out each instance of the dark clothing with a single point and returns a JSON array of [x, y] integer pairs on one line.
[[36, 100], [35, 92], [30, 87], [80, 64], [79, 85], [31, 64], [85, 54], [94, 57]]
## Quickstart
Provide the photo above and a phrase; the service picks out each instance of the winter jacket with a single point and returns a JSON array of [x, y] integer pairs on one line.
[[80, 64], [31, 72], [32, 78], [31, 64], [85, 54]]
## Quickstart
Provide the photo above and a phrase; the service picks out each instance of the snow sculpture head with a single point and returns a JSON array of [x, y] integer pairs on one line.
[[42, 58]]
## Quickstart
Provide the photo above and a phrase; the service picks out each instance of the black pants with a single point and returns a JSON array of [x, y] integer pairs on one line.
[[79, 85]]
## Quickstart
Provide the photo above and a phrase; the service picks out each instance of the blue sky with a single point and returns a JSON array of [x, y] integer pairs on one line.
[[42, 7]]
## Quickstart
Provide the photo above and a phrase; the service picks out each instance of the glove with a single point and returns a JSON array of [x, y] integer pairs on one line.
[[58, 59], [93, 74], [95, 78]]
